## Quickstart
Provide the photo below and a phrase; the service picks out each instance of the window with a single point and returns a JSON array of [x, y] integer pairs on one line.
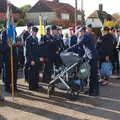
[[65, 16], [79, 17]]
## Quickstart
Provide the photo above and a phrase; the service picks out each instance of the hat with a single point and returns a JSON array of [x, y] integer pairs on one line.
[[48, 29], [54, 27], [29, 25], [89, 25], [82, 29], [34, 29]]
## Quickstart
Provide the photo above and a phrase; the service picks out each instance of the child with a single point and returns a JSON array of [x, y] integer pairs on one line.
[[105, 71]]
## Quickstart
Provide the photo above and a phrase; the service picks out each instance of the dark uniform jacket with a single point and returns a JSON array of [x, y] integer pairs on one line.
[[86, 47], [31, 48], [50, 46]]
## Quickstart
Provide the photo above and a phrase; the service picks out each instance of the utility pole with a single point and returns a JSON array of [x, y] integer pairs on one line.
[[75, 13], [82, 13]]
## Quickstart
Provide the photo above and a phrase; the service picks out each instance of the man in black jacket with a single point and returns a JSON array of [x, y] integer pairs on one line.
[[32, 59]]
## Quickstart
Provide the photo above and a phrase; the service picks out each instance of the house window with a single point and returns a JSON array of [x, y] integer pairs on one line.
[[65, 16], [92, 19], [79, 17]]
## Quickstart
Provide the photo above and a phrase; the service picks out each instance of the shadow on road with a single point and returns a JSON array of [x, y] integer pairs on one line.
[[2, 118], [106, 106], [100, 106]]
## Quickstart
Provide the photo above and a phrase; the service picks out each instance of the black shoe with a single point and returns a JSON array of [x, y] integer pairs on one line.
[[93, 94], [86, 92]]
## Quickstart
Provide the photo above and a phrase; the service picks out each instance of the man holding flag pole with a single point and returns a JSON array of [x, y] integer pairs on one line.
[[11, 39]]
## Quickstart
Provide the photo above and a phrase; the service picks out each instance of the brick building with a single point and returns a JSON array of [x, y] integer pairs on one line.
[[3, 10], [53, 11]]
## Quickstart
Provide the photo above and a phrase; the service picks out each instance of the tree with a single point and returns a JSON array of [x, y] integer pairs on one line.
[[116, 16], [20, 23], [25, 9]]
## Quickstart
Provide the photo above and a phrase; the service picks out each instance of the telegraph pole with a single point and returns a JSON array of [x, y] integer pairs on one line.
[[75, 13], [82, 12]]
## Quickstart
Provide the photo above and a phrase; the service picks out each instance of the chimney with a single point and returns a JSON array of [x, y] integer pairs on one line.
[[56, 1], [101, 7]]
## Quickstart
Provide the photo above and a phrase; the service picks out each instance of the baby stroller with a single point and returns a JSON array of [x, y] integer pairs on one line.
[[70, 75]]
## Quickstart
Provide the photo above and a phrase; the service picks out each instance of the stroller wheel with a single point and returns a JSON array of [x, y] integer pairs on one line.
[[50, 91], [73, 95]]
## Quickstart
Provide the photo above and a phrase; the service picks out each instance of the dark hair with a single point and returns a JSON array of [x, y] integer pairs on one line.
[[106, 29], [34, 29]]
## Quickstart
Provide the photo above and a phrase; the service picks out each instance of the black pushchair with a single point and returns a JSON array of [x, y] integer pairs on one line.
[[70, 75]]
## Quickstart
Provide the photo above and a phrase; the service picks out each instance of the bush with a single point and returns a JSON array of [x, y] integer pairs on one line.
[[20, 23]]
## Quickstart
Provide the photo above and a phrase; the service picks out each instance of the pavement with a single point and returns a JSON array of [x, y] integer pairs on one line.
[[28, 105]]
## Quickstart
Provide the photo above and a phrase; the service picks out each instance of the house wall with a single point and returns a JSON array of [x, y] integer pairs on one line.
[[16, 16], [96, 22], [47, 16]]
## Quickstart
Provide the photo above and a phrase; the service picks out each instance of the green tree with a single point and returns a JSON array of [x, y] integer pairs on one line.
[[25, 9], [20, 23]]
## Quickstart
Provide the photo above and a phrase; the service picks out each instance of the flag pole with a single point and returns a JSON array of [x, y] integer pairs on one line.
[[10, 39]]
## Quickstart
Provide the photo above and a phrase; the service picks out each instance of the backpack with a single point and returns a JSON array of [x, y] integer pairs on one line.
[[84, 71]]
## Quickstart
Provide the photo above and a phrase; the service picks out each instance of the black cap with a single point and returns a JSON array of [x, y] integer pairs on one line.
[[29, 25], [54, 27], [34, 29], [48, 29]]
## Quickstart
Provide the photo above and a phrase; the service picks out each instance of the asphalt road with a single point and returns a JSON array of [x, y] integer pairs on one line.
[[28, 105]]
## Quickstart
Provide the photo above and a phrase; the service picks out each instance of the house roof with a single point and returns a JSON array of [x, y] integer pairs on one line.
[[94, 15], [48, 6], [3, 7], [40, 7], [101, 15]]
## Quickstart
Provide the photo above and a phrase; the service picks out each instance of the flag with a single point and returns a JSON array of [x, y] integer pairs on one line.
[[10, 36], [41, 27], [10, 28]]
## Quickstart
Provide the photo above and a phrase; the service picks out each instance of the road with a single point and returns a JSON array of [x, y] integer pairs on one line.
[[29, 105]]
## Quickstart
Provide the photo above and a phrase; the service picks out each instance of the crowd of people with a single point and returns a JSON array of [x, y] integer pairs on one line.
[[37, 57]]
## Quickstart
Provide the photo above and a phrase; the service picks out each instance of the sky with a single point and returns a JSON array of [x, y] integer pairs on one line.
[[110, 6]]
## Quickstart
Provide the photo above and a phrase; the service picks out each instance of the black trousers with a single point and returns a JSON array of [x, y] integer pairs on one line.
[[94, 84], [33, 77], [48, 70]]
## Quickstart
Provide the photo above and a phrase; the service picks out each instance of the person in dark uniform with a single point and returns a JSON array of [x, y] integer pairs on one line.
[[5, 59], [87, 44], [25, 35], [73, 37], [56, 46], [32, 59], [1, 86], [47, 40], [6, 62], [51, 51], [60, 39]]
